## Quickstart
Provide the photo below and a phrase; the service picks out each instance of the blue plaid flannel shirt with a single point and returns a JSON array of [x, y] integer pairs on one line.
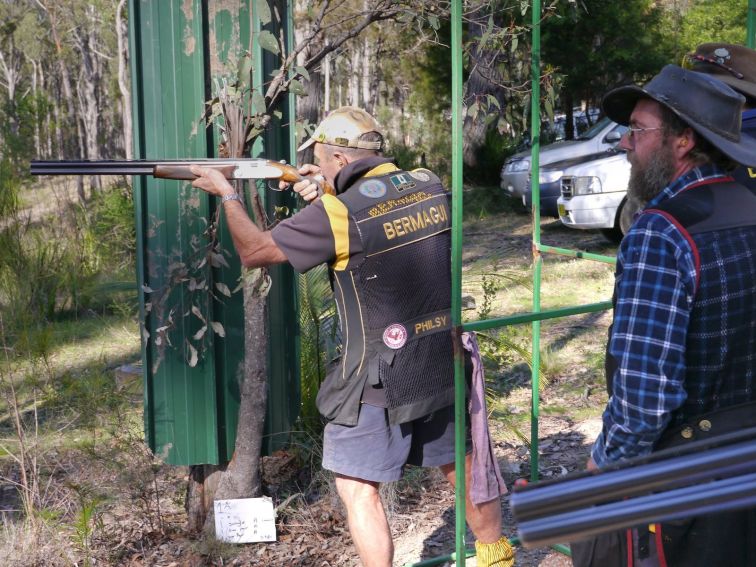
[[655, 288]]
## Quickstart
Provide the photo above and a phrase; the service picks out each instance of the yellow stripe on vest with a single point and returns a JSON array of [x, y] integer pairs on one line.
[[381, 170], [338, 216]]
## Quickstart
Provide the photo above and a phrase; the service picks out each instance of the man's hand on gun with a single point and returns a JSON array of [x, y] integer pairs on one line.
[[307, 189], [211, 181]]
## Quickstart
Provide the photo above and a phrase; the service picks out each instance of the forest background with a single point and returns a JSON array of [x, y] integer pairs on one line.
[[67, 249]]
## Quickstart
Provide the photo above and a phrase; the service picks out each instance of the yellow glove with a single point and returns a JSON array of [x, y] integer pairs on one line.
[[496, 554]]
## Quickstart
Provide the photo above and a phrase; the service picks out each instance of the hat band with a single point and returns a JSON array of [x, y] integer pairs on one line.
[[346, 143]]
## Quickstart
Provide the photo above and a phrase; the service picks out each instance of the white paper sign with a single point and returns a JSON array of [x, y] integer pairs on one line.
[[245, 520]]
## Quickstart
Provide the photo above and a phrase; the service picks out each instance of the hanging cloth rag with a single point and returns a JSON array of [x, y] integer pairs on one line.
[[486, 481]]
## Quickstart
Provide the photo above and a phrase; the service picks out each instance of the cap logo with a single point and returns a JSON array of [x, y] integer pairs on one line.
[[395, 336]]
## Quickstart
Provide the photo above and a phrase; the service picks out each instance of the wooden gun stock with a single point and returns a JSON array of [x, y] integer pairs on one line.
[[184, 173]]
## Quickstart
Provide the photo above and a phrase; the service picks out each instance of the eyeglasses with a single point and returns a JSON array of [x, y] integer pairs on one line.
[[633, 132]]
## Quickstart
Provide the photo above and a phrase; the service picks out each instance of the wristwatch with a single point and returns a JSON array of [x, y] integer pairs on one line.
[[230, 197]]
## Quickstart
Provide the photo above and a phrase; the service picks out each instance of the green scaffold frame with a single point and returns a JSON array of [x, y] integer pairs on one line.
[[536, 315]]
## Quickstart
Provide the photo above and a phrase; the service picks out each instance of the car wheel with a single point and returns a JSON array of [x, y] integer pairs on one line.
[[615, 233]]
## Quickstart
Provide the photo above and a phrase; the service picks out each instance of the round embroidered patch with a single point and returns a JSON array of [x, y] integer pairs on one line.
[[395, 336], [420, 175], [373, 188]]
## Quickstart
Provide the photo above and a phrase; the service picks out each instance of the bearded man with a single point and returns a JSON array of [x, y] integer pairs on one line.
[[681, 354]]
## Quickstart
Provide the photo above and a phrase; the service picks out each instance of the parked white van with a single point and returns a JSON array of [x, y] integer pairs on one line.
[[602, 136], [593, 193]]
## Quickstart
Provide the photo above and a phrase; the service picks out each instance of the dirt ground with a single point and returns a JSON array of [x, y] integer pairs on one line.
[[311, 530], [143, 522]]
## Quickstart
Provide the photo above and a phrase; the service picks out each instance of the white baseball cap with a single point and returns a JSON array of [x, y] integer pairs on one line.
[[343, 127]]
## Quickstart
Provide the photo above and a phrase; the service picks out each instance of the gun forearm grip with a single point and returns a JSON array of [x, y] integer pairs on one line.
[[183, 171]]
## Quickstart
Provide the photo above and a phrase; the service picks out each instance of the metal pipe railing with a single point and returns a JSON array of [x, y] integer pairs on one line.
[[456, 280]]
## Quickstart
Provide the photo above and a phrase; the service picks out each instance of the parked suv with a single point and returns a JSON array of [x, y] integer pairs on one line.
[[600, 137], [593, 193]]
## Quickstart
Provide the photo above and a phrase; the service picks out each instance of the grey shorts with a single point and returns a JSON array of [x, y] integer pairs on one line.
[[376, 451]]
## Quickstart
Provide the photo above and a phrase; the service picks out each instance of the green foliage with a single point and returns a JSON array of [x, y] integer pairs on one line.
[[18, 119], [113, 227], [88, 520], [597, 44], [49, 268], [707, 21], [483, 201], [318, 327]]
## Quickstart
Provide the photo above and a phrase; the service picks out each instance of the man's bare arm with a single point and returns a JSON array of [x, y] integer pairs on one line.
[[255, 247]]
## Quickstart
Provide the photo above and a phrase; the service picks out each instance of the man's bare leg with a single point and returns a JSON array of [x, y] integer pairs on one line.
[[367, 520], [484, 519]]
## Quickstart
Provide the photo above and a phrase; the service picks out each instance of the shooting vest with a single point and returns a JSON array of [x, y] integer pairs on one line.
[[393, 296], [704, 213]]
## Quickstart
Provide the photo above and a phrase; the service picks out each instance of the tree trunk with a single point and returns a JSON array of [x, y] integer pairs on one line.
[[241, 478], [89, 107], [484, 80], [569, 122], [123, 81], [366, 75], [66, 123], [308, 106], [37, 125]]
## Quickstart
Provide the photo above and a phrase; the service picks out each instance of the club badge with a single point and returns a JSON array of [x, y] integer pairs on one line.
[[402, 182], [395, 336], [420, 175], [373, 188]]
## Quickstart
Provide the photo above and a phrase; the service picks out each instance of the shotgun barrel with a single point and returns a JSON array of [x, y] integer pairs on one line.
[[671, 484], [110, 167], [239, 168], [722, 495]]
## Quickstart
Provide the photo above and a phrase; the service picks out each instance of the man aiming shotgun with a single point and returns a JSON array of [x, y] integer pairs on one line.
[[389, 399]]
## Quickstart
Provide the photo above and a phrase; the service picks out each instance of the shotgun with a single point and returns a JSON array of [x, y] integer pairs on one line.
[[706, 476], [244, 168]]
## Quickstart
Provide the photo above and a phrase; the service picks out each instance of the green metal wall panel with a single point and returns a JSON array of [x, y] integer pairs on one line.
[[191, 413]]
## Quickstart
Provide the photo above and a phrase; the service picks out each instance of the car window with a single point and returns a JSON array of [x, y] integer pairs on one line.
[[595, 130]]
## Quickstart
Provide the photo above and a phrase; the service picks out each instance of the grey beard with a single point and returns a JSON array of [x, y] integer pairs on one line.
[[647, 182]]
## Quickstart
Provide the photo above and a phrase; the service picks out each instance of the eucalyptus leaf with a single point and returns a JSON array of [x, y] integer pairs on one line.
[[258, 103], [193, 357], [218, 328], [196, 311], [199, 334], [268, 42], [263, 11], [223, 288], [296, 87], [244, 75]]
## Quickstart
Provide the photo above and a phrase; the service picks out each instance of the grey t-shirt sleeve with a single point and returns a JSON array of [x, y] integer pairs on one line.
[[306, 238]]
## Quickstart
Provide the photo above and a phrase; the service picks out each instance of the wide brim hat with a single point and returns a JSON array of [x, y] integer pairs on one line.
[[707, 105], [730, 63], [343, 127]]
